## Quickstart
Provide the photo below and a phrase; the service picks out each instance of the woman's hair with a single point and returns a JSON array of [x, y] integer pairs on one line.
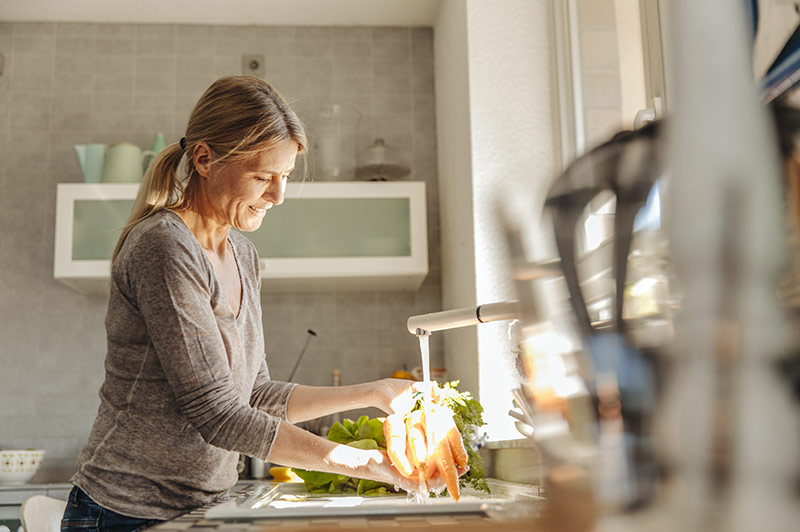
[[238, 117]]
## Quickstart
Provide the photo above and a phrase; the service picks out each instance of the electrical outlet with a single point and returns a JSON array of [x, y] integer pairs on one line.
[[253, 65]]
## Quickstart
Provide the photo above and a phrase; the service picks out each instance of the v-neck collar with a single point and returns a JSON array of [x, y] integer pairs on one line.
[[237, 314]]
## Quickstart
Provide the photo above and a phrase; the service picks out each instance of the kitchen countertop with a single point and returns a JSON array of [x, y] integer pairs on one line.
[[12, 495], [15, 494]]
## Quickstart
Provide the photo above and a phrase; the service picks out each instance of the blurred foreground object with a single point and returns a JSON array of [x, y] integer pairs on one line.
[[729, 423], [657, 365]]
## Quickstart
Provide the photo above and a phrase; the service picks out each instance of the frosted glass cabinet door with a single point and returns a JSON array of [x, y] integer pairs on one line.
[[345, 236], [97, 226], [336, 227], [89, 218]]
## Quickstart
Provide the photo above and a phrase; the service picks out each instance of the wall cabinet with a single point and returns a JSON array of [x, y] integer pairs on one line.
[[331, 236]]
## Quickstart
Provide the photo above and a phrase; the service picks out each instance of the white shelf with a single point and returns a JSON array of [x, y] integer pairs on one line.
[[332, 236]]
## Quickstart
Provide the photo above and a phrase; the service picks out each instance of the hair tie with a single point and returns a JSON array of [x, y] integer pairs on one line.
[[183, 143]]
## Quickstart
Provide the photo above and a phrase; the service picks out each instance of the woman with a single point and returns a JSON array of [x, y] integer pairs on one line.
[[187, 387]]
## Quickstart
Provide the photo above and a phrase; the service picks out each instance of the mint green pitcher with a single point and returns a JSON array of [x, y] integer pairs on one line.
[[124, 163], [91, 158], [159, 143]]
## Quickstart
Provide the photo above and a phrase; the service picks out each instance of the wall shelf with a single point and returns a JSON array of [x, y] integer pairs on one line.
[[332, 236]]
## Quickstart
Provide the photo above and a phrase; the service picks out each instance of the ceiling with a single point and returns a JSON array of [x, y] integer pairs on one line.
[[240, 12]]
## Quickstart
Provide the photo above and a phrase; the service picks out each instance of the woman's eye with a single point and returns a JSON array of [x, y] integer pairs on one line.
[[261, 179]]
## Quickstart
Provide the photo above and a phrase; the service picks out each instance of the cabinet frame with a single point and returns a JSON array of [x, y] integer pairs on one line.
[[277, 274]]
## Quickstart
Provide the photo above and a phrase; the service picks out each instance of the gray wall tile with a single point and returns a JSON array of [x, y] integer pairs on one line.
[[114, 46], [352, 33], [116, 31], [29, 45], [34, 29], [71, 46], [197, 46], [87, 31], [422, 42], [6, 36], [347, 49]]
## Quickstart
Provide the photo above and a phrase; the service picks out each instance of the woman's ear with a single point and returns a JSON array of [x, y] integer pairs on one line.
[[202, 159]]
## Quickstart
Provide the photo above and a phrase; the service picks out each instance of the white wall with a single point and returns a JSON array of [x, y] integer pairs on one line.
[[456, 220], [505, 161]]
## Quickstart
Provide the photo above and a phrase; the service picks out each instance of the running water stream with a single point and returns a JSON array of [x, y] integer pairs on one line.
[[424, 351]]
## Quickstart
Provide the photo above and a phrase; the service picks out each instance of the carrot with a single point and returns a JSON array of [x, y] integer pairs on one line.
[[447, 467], [415, 424], [457, 446], [439, 425], [395, 431]]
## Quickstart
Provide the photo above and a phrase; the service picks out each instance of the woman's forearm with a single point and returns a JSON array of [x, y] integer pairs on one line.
[[311, 402]]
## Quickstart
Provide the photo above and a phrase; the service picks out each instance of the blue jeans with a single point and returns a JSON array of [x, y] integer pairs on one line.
[[82, 514]]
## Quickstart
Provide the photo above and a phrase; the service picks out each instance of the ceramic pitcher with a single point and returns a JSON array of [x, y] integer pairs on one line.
[[123, 163], [91, 158], [159, 143]]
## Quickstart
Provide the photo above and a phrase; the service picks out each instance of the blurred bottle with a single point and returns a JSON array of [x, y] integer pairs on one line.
[[335, 130], [331, 420]]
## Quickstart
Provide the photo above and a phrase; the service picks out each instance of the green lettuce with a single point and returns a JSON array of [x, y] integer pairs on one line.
[[364, 433]]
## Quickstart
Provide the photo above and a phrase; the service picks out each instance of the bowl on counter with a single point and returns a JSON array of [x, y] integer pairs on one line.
[[19, 466]]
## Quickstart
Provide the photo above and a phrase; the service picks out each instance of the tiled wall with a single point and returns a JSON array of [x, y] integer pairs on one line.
[[600, 73], [67, 84]]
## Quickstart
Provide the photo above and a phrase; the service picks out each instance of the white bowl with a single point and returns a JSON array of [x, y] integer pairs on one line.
[[18, 466]]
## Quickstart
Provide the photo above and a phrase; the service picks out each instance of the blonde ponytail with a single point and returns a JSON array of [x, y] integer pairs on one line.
[[237, 117], [161, 188]]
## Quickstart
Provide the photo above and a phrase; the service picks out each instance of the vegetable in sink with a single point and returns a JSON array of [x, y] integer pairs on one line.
[[366, 433]]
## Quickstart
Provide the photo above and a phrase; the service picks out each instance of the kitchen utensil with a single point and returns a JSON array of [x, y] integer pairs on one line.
[[91, 158], [258, 468], [311, 334], [19, 466], [124, 163], [628, 165]]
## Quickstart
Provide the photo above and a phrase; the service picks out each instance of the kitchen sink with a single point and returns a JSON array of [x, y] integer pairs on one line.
[[266, 500]]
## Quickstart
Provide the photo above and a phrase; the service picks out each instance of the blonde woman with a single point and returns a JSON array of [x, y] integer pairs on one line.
[[186, 386]]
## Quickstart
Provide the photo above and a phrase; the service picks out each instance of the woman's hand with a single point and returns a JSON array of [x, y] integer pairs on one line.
[[384, 471], [397, 395], [390, 395]]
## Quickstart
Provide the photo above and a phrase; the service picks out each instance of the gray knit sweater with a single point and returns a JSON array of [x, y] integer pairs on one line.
[[186, 382]]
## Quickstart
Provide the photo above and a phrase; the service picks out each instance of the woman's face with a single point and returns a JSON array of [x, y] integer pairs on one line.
[[241, 193]]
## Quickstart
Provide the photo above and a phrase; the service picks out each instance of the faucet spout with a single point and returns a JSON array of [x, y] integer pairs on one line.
[[463, 317]]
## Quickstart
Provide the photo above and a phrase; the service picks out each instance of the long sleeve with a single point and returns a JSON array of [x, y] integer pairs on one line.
[[270, 396]]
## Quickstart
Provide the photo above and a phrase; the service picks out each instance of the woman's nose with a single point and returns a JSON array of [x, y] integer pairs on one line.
[[276, 191]]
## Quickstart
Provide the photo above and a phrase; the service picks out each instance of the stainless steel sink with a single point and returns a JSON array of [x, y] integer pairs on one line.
[[277, 500]]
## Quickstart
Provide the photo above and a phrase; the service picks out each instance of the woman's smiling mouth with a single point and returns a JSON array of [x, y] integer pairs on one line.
[[259, 212]]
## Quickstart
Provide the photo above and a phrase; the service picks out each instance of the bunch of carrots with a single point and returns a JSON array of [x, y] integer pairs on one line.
[[425, 441]]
